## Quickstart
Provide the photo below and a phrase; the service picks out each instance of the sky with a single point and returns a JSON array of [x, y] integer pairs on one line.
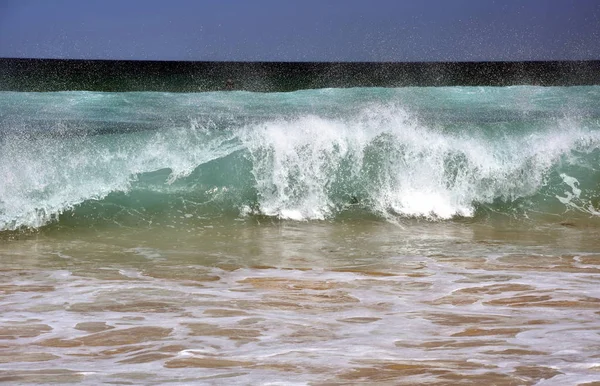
[[301, 30]]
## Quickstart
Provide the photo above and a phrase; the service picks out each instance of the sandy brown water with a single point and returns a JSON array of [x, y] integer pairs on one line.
[[243, 303]]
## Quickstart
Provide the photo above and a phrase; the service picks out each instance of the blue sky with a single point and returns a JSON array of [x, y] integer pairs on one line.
[[303, 30]]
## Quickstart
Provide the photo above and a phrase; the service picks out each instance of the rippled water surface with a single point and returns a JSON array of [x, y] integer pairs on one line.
[[331, 303]]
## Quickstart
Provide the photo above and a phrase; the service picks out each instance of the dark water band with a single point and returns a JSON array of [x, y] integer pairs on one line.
[[109, 75]]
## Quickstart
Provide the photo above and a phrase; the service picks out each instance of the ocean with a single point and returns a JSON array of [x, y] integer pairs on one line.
[[412, 235]]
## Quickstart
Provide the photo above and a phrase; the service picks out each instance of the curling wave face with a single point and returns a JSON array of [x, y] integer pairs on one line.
[[86, 159]]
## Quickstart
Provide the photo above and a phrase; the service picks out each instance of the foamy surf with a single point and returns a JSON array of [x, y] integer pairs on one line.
[[436, 153]]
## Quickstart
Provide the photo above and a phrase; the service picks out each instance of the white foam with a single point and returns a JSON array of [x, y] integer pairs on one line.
[[403, 166]]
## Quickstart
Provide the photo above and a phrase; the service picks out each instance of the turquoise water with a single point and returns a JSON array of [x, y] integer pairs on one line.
[[87, 159], [335, 236]]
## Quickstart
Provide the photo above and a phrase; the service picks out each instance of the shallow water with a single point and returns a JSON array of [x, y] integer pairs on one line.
[[350, 302]]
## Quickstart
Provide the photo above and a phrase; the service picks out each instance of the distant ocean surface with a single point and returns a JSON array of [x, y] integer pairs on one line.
[[433, 235]]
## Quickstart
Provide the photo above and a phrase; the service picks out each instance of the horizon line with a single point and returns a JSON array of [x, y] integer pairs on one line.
[[303, 62]]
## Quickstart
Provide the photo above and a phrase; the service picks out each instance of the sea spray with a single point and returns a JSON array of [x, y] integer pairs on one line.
[[85, 158]]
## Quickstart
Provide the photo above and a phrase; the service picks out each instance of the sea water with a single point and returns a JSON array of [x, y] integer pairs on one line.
[[331, 236]]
